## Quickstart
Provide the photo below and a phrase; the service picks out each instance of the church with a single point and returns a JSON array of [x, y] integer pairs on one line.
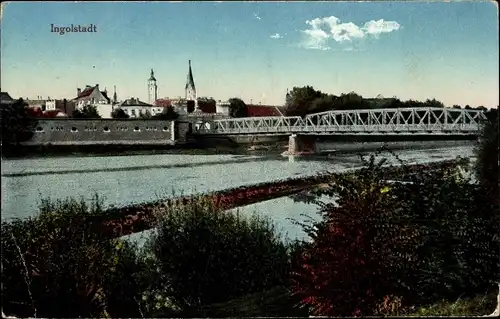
[[188, 104]]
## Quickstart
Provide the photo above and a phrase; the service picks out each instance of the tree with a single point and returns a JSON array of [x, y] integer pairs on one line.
[[119, 114], [208, 105], [237, 108], [17, 124], [145, 115], [351, 101], [168, 114], [487, 154], [433, 103], [324, 103], [301, 100], [87, 112], [190, 106], [457, 107]]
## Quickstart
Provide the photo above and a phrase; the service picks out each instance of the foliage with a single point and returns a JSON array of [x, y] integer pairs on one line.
[[301, 100], [473, 306], [237, 108], [208, 105], [168, 114], [17, 125], [487, 152], [190, 106], [55, 263], [145, 115], [206, 256], [383, 240], [86, 112], [119, 113]]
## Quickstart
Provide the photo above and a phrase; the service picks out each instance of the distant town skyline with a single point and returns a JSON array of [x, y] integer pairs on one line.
[[254, 51]]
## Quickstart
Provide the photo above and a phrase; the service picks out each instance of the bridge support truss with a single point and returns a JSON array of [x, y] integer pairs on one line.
[[411, 121]]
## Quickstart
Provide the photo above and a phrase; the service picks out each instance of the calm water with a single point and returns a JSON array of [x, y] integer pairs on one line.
[[123, 180]]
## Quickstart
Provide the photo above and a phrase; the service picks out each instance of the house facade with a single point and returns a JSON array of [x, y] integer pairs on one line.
[[135, 108], [5, 99], [91, 95]]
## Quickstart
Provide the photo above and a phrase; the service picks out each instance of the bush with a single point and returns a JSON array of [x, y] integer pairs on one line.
[[168, 114], [206, 256], [409, 243], [119, 114], [56, 264]]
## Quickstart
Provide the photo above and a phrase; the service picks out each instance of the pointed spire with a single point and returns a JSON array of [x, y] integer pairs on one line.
[[114, 95], [190, 80], [152, 76]]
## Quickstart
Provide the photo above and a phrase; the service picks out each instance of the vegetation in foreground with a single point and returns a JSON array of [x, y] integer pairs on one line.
[[429, 247]]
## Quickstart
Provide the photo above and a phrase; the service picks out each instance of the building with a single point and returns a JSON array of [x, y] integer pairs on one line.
[[222, 107], [5, 99], [190, 89], [263, 110], [163, 102], [152, 88], [134, 108], [39, 102], [91, 95], [65, 106]]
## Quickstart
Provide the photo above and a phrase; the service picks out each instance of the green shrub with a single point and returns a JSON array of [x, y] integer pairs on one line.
[[55, 264], [410, 243], [206, 256]]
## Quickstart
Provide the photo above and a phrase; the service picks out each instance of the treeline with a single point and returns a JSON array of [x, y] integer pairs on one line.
[[306, 100]]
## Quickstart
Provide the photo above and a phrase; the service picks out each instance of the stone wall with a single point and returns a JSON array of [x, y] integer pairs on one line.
[[108, 132]]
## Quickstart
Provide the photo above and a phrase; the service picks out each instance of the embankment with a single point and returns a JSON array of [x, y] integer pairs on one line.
[[139, 217]]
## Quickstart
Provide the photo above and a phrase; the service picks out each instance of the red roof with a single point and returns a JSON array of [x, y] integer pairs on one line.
[[52, 113], [262, 110], [86, 92], [163, 103], [207, 108], [38, 113]]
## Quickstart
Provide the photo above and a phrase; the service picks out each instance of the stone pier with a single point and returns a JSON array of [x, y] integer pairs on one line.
[[301, 145]]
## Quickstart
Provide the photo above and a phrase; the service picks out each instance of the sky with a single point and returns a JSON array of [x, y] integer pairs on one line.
[[255, 50]]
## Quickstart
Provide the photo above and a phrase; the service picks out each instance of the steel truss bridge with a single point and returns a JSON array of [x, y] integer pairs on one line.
[[410, 121]]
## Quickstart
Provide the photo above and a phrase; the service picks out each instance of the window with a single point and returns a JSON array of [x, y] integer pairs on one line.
[[74, 129], [165, 128], [106, 129], [133, 112], [137, 129], [39, 129]]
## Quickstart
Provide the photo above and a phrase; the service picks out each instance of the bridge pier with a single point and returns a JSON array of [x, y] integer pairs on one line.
[[301, 145]]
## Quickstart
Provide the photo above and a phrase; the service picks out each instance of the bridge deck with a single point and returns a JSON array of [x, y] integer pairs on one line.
[[407, 121]]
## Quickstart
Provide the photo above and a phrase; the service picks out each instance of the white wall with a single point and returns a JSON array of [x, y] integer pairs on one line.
[[104, 110], [222, 108], [50, 105], [135, 110]]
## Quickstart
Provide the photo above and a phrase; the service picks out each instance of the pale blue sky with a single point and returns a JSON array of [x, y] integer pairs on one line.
[[419, 50]]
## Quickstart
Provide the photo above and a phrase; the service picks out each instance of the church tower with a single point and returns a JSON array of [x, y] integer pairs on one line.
[[190, 88], [152, 89]]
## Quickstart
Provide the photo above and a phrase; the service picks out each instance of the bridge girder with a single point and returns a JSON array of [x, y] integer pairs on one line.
[[408, 120]]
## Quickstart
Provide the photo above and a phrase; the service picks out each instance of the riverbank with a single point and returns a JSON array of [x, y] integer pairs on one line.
[[123, 221], [198, 248]]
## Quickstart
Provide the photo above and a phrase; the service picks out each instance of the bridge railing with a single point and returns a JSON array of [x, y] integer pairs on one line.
[[412, 120]]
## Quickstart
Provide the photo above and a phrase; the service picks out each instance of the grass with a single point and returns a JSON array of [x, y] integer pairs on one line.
[[479, 305]]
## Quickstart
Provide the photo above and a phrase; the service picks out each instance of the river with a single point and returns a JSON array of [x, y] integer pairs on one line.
[[121, 180]]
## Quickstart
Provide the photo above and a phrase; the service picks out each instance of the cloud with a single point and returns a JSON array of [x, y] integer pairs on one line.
[[256, 16], [276, 36], [322, 30]]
